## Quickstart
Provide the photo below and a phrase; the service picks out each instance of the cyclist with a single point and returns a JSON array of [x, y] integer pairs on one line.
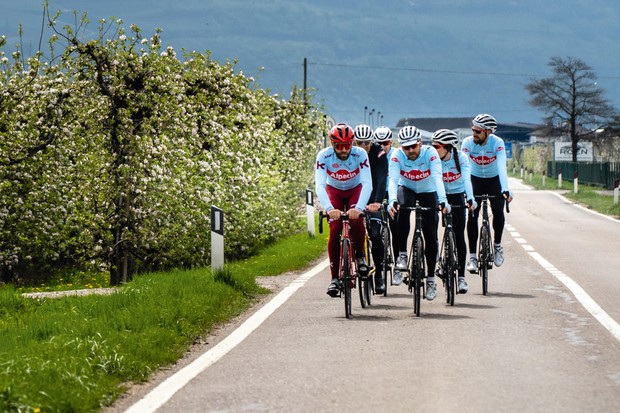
[[415, 174], [383, 136], [378, 171], [343, 185], [487, 155], [457, 182]]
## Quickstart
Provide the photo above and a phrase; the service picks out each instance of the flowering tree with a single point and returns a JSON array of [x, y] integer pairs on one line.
[[114, 156]]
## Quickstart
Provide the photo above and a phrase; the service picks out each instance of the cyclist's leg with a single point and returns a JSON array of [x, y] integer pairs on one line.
[[394, 235], [458, 225], [430, 222], [335, 228], [499, 219], [406, 197], [472, 221], [497, 207], [374, 233], [358, 229]]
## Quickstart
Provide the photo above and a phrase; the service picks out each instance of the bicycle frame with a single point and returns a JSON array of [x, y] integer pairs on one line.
[[347, 271]]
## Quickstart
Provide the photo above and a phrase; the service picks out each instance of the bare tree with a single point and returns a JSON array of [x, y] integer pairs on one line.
[[570, 98]]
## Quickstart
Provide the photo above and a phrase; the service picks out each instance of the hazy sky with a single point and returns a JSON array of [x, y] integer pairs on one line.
[[403, 58]]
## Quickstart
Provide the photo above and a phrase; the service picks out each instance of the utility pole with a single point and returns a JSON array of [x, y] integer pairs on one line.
[[305, 81]]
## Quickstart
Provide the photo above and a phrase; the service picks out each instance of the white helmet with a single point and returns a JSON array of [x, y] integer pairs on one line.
[[383, 134], [363, 133], [446, 137], [485, 121], [409, 135]]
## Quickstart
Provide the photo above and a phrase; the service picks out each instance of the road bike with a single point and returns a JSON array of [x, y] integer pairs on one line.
[[448, 264], [485, 247], [416, 266], [347, 272]]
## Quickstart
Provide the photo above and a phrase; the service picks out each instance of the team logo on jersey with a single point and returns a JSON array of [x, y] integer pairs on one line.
[[451, 176], [335, 165], [364, 164], [433, 158], [483, 160], [343, 174], [414, 175], [320, 165]]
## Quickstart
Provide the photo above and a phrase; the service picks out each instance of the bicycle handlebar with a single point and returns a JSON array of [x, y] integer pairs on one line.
[[487, 196], [343, 217]]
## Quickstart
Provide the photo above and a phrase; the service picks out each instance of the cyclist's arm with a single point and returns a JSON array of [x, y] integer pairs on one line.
[[394, 176], [466, 176], [320, 183], [366, 181], [437, 177], [379, 170], [502, 169]]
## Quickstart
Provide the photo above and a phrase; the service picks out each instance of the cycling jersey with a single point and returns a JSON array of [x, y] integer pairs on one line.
[[421, 176], [343, 175], [488, 160], [456, 182]]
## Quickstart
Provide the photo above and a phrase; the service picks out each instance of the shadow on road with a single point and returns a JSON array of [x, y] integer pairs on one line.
[[509, 295]]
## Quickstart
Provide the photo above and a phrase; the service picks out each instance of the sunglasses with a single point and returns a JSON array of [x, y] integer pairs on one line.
[[342, 146], [385, 143], [477, 131], [437, 145], [410, 147], [363, 143]]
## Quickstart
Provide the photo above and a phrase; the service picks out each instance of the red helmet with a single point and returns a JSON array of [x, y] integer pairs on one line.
[[342, 133]]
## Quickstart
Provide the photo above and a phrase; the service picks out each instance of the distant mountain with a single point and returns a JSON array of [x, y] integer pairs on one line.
[[445, 58]]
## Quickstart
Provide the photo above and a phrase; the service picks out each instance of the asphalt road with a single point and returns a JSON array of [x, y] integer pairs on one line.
[[545, 338]]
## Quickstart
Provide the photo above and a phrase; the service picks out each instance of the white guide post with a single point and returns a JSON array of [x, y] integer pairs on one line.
[[217, 239], [310, 212]]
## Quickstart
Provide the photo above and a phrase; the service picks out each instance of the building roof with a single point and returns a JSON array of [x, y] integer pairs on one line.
[[518, 132]]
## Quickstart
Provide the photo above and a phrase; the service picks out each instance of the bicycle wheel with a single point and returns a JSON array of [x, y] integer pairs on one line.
[[417, 273], [485, 257], [450, 267], [346, 276], [388, 258]]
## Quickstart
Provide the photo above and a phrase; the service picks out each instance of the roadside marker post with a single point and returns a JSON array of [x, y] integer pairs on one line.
[[560, 179], [217, 239], [576, 182], [616, 191], [310, 212]]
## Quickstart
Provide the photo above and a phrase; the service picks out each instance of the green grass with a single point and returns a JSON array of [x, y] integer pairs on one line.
[[591, 197], [76, 354]]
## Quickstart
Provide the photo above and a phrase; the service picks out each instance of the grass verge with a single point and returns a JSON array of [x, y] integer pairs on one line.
[[591, 197], [76, 353]]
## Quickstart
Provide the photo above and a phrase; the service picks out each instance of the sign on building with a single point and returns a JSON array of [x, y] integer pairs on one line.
[[508, 146], [564, 152]]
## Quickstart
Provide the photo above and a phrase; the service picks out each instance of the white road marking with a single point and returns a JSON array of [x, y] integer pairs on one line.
[[586, 301], [166, 389]]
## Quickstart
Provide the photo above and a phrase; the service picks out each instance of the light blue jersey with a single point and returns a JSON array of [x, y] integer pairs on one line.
[[421, 176], [332, 171], [454, 181], [488, 160]]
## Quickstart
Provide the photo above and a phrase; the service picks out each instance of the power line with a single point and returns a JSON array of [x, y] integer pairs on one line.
[[459, 72]]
